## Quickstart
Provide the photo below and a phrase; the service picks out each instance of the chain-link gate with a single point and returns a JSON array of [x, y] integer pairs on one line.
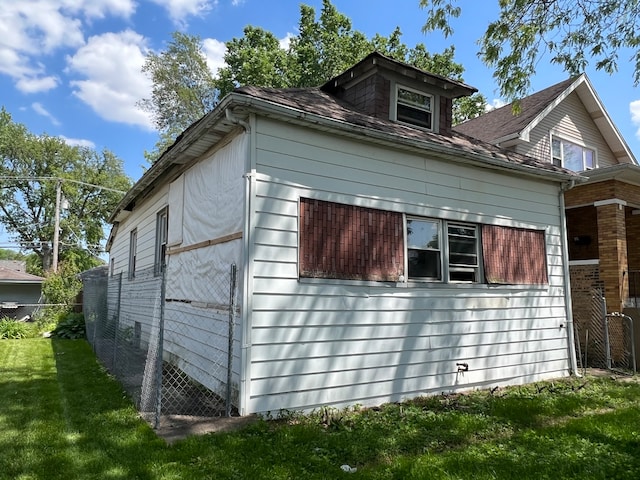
[[588, 314], [172, 356], [620, 347], [602, 340]]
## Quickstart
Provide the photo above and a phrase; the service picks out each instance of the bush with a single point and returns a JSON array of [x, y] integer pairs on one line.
[[13, 329], [70, 326]]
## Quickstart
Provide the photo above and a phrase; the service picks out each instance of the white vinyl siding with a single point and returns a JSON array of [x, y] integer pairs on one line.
[[339, 342], [569, 120]]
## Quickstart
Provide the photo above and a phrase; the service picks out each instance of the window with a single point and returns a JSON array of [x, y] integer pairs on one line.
[[423, 249], [463, 253], [349, 242], [414, 107], [133, 240], [425, 252], [571, 155], [161, 241]]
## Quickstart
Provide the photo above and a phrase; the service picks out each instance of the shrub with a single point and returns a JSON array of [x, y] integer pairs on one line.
[[70, 326], [12, 329]]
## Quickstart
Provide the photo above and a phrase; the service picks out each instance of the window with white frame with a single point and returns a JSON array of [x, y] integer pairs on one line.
[[161, 240], [424, 252], [571, 155], [428, 257], [133, 241], [414, 107]]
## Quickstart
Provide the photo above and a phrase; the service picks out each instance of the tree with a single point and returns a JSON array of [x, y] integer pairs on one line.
[[184, 88], [32, 168], [254, 59], [571, 32]]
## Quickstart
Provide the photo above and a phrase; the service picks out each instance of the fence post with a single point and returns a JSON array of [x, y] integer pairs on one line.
[[232, 308], [117, 325], [160, 349]]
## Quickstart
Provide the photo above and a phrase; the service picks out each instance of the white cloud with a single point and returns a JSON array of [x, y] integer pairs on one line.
[[28, 84], [31, 29], [236, 3], [495, 103], [113, 82], [214, 50], [179, 10], [40, 110], [78, 142], [634, 109], [286, 41]]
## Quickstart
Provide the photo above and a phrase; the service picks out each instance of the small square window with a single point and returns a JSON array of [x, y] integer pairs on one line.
[[414, 107]]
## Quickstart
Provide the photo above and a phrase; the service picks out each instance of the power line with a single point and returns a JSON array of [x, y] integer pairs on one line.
[[61, 179]]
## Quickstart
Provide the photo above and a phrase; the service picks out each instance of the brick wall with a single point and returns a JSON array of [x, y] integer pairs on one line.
[[612, 246], [446, 112], [371, 96]]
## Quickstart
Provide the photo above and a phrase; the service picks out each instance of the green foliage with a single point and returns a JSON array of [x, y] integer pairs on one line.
[[32, 166], [13, 329], [571, 33], [6, 254], [70, 326], [62, 287]]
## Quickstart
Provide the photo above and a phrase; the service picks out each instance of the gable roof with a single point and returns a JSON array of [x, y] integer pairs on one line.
[[8, 275], [500, 125], [318, 109]]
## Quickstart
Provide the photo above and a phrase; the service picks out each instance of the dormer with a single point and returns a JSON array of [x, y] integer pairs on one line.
[[388, 89]]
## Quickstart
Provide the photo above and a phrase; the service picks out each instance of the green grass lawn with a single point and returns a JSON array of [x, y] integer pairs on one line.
[[63, 417]]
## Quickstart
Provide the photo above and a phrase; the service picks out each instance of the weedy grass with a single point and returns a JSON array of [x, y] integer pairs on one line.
[[63, 416]]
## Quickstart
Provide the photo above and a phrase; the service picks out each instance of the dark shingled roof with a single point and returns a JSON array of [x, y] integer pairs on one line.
[[8, 276], [501, 122], [317, 102]]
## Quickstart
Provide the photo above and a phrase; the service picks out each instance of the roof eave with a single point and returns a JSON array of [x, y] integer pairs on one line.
[[173, 155]]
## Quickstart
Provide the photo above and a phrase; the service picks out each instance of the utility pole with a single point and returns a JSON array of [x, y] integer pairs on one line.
[[56, 228]]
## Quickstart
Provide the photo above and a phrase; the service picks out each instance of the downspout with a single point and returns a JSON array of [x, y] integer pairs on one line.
[[567, 288], [244, 393], [229, 115]]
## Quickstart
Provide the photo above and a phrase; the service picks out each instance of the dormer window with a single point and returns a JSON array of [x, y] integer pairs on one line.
[[571, 155], [414, 107]]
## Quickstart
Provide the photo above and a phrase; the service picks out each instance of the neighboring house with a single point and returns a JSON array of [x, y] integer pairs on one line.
[[19, 291], [567, 125], [381, 255]]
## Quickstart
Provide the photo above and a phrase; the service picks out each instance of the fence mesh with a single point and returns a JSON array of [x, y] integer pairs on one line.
[[602, 340], [172, 356]]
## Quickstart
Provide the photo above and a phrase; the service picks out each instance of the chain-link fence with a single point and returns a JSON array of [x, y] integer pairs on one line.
[[173, 356], [602, 340]]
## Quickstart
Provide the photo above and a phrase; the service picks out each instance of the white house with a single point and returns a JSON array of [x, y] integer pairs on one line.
[[382, 255]]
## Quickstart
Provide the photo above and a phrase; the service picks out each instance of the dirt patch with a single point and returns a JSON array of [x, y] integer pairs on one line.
[[173, 428]]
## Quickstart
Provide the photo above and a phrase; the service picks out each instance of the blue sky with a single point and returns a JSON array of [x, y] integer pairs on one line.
[[71, 68]]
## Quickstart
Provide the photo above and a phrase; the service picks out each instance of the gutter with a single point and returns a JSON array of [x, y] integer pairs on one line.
[[573, 368], [421, 146]]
